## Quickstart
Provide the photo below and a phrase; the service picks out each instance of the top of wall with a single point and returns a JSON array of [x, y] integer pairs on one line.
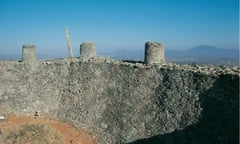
[[204, 69]]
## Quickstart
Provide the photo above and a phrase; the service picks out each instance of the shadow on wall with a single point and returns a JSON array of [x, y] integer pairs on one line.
[[219, 120]]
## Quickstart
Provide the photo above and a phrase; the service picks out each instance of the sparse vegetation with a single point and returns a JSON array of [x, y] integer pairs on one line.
[[40, 130], [33, 134], [68, 42]]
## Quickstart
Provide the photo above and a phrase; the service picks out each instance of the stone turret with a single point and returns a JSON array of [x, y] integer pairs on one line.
[[88, 49], [154, 53], [28, 53]]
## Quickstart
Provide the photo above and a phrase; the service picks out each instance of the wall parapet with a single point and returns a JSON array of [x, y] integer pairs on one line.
[[154, 52]]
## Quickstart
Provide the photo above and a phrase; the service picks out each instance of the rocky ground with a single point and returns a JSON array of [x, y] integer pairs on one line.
[[39, 130]]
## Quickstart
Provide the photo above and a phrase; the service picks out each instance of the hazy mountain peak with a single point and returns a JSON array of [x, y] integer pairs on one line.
[[204, 48]]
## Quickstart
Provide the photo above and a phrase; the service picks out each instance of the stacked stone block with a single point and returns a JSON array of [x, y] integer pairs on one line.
[[29, 53], [154, 53], [88, 49]]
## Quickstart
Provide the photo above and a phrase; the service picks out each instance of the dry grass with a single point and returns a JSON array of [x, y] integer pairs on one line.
[[33, 134], [40, 130]]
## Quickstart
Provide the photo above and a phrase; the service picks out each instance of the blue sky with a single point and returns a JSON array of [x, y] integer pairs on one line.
[[117, 24]]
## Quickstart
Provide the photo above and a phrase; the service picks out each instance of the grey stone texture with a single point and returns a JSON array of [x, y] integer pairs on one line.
[[28, 53], [88, 49], [127, 103], [154, 53]]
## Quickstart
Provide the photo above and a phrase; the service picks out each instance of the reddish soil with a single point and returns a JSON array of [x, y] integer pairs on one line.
[[68, 133]]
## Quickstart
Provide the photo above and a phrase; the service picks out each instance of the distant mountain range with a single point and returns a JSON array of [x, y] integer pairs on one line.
[[198, 51], [204, 51], [200, 54], [18, 57], [203, 54], [9, 57]]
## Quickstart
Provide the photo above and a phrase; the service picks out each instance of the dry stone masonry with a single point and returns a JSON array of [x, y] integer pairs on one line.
[[29, 53], [88, 49], [154, 53], [128, 103]]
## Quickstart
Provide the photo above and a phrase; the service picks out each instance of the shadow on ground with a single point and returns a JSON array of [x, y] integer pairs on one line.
[[219, 122]]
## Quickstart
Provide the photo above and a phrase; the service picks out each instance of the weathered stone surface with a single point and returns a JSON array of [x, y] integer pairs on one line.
[[28, 53], [88, 49], [120, 102], [154, 53]]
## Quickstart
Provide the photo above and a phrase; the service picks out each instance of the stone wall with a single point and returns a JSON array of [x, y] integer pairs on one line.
[[120, 102]]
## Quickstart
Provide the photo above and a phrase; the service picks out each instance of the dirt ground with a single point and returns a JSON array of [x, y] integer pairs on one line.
[[29, 130]]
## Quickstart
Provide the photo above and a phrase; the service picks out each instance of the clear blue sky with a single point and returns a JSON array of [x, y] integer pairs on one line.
[[117, 24]]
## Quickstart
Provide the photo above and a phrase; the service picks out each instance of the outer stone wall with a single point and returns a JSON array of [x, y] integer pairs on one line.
[[126, 103]]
